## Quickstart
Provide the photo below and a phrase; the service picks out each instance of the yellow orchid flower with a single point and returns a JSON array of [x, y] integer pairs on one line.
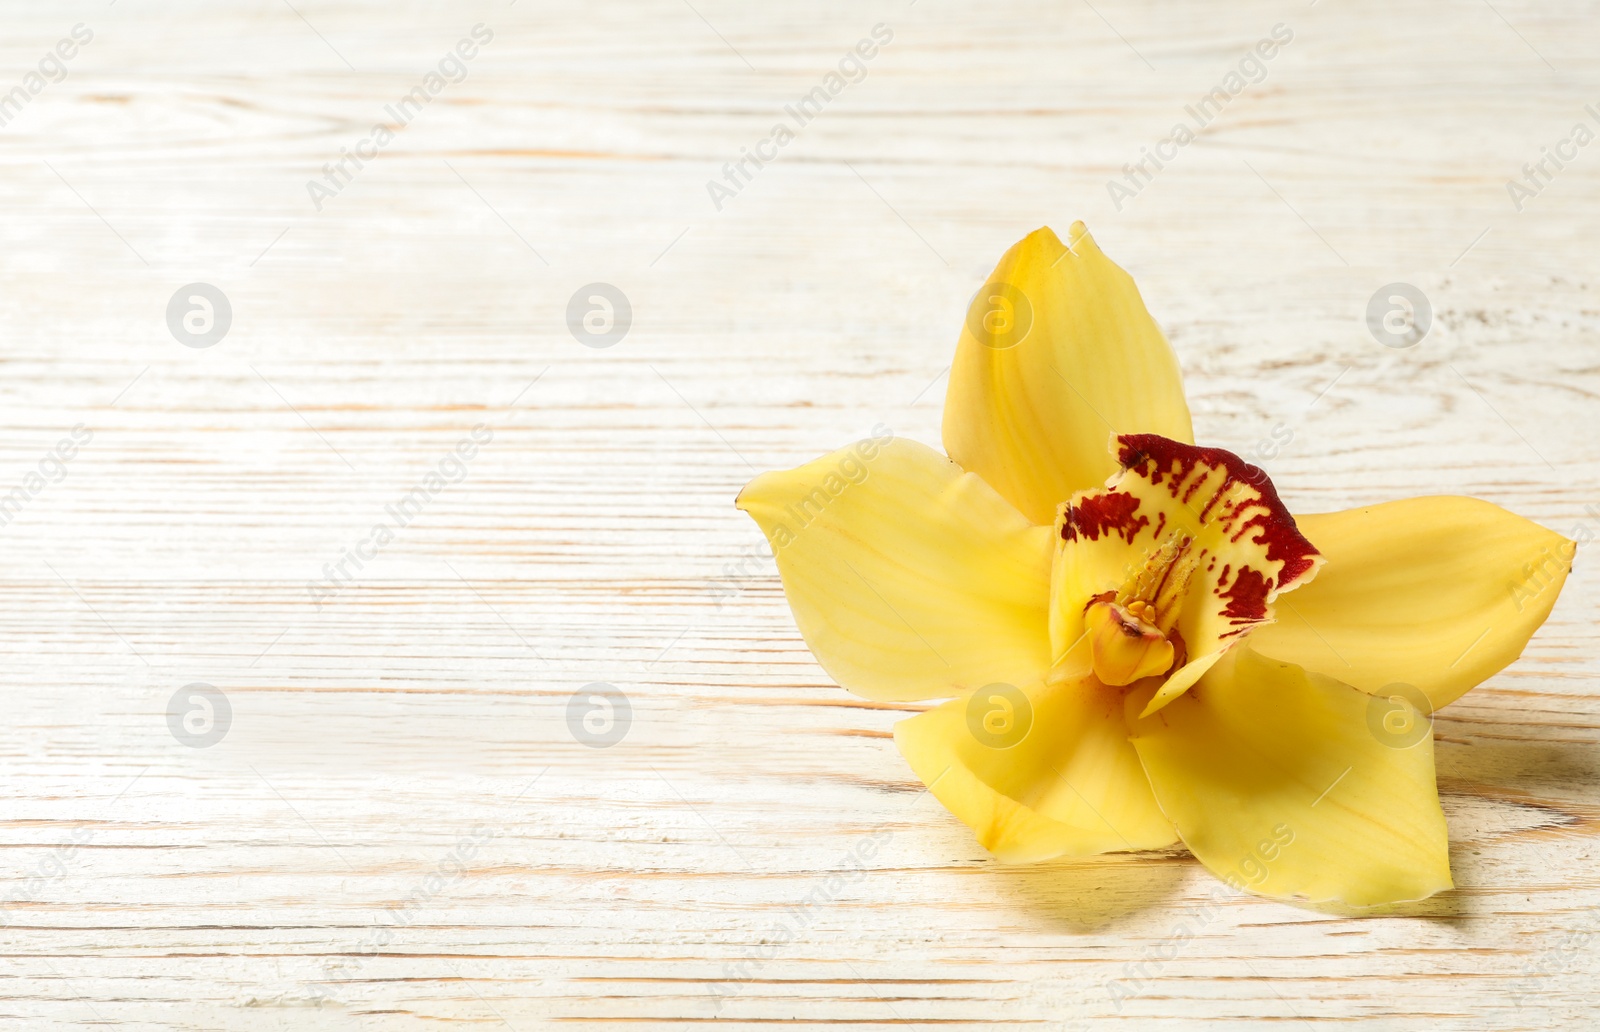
[[1124, 664]]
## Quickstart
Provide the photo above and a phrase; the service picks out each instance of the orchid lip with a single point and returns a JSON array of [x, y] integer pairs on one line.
[[1190, 544]]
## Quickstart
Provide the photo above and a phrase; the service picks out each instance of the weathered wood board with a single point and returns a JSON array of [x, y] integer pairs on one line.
[[399, 829]]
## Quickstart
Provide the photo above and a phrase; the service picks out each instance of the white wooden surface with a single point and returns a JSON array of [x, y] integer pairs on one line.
[[152, 885]]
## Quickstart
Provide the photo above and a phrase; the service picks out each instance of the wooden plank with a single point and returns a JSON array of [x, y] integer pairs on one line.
[[399, 755]]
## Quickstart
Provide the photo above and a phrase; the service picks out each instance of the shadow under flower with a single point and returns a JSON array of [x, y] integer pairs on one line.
[[1091, 894]]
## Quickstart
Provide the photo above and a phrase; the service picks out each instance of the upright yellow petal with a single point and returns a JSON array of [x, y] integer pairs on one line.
[[1289, 785], [1057, 353], [1037, 772], [1439, 593], [908, 578]]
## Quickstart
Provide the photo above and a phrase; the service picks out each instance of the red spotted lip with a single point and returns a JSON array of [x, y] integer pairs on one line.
[[1097, 514], [1159, 459]]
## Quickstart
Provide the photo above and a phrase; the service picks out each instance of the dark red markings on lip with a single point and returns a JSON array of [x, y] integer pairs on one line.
[[1107, 513], [1247, 596], [1162, 460]]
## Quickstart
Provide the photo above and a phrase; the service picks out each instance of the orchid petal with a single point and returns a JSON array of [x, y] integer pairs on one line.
[[1437, 593], [1281, 783], [1037, 772], [908, 578], [1058, 351]]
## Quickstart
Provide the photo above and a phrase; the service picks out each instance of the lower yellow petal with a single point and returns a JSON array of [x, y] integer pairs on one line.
[[1037, 772], [1287, 784], [1439, 593], [908, 578]]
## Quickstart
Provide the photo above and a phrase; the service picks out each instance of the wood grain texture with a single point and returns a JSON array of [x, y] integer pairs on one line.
[[399, 755]]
